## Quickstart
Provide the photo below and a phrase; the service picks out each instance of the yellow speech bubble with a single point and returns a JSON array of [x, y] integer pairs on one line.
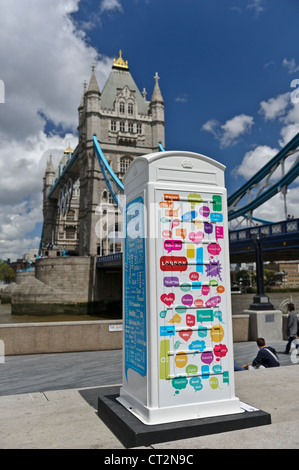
[[175, 319], [217, 333], [181, 359]]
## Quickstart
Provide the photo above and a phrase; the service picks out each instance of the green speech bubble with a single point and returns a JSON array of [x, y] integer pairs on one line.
[[191, 369], [204, 315]]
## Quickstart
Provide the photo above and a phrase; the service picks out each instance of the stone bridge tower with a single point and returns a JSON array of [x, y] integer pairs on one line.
[[126, 126]]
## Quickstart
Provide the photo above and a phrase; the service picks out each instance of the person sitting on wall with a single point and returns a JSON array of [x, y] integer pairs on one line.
[[265, 358]]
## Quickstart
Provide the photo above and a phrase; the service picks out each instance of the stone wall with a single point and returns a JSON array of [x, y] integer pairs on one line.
[[56, 337]]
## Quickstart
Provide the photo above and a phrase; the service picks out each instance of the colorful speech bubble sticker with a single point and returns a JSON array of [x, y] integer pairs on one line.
[[194, 276], [188, 216], [171, 197], [220, 289], [181, 232], [202, 331], [213, 382], [213, 301], [173, 263], [208, 228], [215, 217], [181, 359], [213, 269], [196, 383], [191, 369], [217, 369], [171, 281], [185, 334], [225, 377], [166, 233], [217, 333], [197, 345], [175, 319], [207, 357], [217, 202], [218, 314], [180, 309], [205, 372], [220, 350], [194, 199], [213, 248], [187, 300], [218, 232], [205, 290], [190, 320], [163, 313], [198, 303], [172, 245], [168, 299], [204, 315], [185, 287], [179, 383], [204, 211], [196, 237], [198, 223], [167, 330]]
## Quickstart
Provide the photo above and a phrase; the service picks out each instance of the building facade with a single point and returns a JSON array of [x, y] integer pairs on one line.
[[126, 125]]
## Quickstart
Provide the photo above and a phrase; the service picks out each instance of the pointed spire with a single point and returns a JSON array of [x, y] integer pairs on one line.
[[50, 168], [157, 95], [93, 84]]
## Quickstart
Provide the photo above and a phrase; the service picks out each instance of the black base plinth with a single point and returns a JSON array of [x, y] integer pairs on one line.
[[261, 302], [131, 432]]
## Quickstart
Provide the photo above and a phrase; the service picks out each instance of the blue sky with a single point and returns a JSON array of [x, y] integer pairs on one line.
[[225, 68]]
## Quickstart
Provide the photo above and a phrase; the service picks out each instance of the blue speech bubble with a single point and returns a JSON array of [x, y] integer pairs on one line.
[[197, 345], [195, 382], [167, 330]]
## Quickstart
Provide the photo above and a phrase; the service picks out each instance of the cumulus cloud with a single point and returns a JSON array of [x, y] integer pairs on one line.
[[290, 65], [44, 61], [275, 107], [254, 160], [109, 5], [229, 133]]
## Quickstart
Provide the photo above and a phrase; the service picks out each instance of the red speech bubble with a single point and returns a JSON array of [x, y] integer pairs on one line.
[[173, 263], [168, 299], [185, 334]]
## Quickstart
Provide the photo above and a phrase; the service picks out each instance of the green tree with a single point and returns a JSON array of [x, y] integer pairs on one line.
[[7, 274]]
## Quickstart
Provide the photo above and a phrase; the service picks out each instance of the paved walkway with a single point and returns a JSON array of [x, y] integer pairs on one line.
[[50, 401]]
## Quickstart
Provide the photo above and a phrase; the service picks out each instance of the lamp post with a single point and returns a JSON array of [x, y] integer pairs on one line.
[[261, 300]]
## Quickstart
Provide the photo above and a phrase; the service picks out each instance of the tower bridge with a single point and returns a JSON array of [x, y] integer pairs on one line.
[[82, 198]]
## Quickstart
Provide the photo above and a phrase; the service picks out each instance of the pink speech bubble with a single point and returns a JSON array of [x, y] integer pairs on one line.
[[196, 237], [205, 290], [213, 301], [166, 233], [190, 319], [207, 357], [219, 232], [176, 223], [214, 249], [170, 245]]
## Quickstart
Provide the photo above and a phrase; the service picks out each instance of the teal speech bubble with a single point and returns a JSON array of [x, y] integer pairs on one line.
[[179, 383], [204, 315], [195, 382]]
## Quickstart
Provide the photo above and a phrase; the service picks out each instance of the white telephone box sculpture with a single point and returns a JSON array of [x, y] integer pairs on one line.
[[177, 346]]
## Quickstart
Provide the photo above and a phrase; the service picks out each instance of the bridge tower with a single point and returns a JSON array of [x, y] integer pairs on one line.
[[49, 206], [126, 126]]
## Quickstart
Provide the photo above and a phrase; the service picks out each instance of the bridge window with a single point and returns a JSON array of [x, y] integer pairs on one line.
[[130, 127], [70, 215], [70, 233], [139, 129], [122, 108], [130, 108], [122, 126], [124, 164], [113, 125]]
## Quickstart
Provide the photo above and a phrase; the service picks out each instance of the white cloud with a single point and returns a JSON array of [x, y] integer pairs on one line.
[[290, 65], [229, 133], [254, 160], [44, 61], [275, 107], [109, 5], [257, 6]]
